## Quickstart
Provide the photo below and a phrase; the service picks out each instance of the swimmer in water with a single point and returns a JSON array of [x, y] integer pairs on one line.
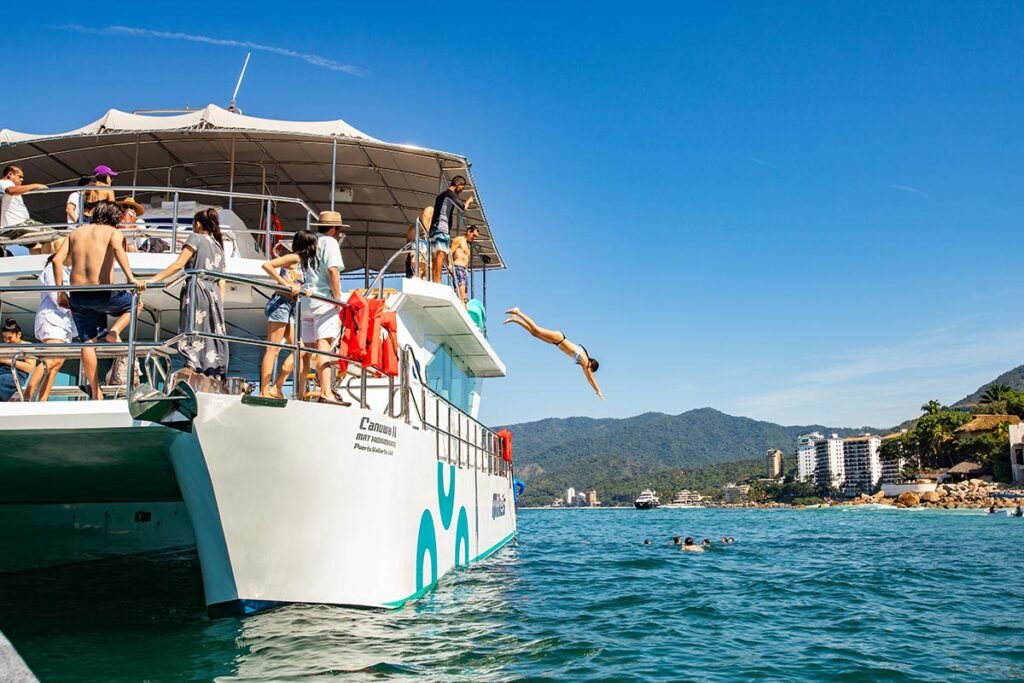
[[647, 541], [676, 540], [706, 543], [689, 545]]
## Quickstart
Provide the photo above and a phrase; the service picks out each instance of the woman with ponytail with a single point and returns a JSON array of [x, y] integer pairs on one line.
[[204, 250], [287, 271]]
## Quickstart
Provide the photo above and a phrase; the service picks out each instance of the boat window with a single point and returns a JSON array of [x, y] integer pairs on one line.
[[449, 381]]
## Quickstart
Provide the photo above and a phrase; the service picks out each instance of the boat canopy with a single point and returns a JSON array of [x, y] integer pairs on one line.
[[379, 187]]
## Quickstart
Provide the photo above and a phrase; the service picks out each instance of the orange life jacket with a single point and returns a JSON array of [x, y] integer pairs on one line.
[[504, 439], [389, 352]]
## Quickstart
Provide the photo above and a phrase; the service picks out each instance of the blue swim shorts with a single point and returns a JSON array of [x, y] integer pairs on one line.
[[91, 309], [280, 310], [461, 276], [440, 241]]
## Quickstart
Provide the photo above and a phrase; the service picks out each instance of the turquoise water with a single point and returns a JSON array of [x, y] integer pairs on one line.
[[841, 594]]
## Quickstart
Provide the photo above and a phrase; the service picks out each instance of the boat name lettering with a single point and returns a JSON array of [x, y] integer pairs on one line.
[[498, 505], [371, 426]]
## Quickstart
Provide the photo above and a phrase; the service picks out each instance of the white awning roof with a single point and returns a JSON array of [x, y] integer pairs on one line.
[[386, 184]]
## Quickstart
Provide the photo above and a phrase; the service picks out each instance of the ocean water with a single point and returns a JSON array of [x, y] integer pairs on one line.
[[846, 594]]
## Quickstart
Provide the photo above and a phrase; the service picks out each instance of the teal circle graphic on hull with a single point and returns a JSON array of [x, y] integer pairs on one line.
[[462, 538], [426, 543], [446, 501]]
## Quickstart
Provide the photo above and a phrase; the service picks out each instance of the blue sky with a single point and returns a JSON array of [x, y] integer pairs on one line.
[[807, 212]]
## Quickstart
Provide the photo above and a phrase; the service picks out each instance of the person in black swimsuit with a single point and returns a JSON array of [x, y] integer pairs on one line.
[[577, 352]]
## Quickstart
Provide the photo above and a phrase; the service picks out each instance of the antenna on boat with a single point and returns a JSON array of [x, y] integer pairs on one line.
[[234, 96]]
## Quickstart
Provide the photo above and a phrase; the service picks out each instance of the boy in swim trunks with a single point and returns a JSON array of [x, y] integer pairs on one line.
[[93, 249], [462, 252]]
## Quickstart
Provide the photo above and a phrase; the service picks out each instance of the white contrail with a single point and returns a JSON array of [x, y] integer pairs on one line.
[[315, 60], [911, 190]]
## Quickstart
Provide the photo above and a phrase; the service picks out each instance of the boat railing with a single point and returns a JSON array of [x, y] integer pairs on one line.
[[468, 442], [49, 232]]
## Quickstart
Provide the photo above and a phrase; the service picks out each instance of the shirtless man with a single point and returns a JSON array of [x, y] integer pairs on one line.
[[461, 253], [93, 249]]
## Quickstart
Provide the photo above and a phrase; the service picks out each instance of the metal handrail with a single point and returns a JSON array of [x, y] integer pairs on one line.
[[177, 192]]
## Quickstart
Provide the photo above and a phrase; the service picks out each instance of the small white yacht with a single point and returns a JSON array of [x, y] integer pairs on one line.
[[647, 500], [285, 500]]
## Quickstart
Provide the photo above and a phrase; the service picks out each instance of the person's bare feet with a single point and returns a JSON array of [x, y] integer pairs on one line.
[[513, 311], [509, 320], [271, 393]]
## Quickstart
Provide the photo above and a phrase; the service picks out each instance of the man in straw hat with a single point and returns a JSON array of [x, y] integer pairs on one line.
[[320, 325]]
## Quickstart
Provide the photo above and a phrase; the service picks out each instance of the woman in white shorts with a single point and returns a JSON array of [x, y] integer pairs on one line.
[[53, 325]]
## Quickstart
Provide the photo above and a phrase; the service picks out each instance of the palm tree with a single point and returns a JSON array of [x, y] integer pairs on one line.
[[931, 407], [994, 393]]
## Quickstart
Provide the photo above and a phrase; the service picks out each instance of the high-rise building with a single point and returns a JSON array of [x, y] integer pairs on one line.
[[862, 468], [806, 456], [592, 500], [829, 469], [570, 497], [581, 500], [773, 463]]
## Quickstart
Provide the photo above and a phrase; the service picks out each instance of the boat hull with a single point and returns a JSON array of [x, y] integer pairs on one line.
[[645, 505], [312, 503]]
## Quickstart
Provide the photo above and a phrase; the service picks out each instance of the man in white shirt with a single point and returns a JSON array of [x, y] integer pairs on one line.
[[320, 323], [12, 208]]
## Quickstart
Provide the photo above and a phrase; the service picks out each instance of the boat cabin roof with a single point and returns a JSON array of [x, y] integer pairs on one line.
[[379, 187]]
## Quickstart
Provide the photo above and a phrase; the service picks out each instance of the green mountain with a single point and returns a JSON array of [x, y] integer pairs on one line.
[[1012, 378], [619, 457], [693, 439]]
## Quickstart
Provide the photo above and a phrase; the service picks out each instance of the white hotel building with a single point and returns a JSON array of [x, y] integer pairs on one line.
[[805, 455], [861, 464], [851, 465]]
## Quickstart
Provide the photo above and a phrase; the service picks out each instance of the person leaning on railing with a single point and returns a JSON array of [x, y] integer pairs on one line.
[[12, 371], [204, 250], [287, 271]]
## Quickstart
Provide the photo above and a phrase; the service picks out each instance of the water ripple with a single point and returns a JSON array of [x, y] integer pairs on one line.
[[843, 595]]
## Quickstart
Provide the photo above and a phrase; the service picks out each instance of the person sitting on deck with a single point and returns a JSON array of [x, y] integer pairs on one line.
[[577, 352], [92, 249], [462, 251], [131, 220], [12, 208], [12, 372], [287, 271], [204, 250], [53, 325], [441, 221]]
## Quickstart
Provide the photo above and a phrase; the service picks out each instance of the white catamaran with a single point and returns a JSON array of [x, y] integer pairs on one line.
[[285, 500]]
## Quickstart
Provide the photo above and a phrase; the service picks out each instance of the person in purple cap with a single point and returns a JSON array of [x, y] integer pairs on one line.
[[102, 176]]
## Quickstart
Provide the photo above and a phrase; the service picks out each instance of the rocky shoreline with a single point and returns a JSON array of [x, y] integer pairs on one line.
[[972, 494]]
